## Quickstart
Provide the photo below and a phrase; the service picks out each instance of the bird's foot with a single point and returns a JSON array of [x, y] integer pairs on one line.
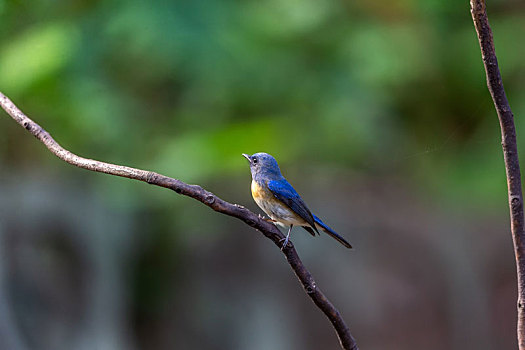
[[286, 240], [265, 218]]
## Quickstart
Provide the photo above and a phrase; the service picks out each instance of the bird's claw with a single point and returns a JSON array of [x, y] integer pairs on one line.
[[265, 218], [286, 240]]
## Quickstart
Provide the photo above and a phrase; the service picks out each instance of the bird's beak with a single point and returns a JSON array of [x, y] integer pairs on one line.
[[247, 156]]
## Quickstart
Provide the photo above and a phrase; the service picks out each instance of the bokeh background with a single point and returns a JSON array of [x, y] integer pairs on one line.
[[378, 113]]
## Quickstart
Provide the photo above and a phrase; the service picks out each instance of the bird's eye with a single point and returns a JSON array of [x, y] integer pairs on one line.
[[254, 160]]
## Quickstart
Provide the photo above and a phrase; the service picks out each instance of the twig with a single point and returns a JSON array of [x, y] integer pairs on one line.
[[206, 197], [510, 151]]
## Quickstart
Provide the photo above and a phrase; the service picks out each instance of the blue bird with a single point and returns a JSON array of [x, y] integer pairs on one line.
[[279, 200]]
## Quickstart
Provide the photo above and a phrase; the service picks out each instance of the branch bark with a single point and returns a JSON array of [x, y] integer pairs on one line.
[[510, 151], [211, 200]]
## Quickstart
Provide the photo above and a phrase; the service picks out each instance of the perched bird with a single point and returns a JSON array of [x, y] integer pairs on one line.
[[279, 200]]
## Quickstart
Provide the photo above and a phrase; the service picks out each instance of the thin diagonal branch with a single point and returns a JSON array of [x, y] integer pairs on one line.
[[510, 151], [203, 196]]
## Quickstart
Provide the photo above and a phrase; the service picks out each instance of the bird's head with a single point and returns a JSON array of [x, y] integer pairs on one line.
[[263, 164]]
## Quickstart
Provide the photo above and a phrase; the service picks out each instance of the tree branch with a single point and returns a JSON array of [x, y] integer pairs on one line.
[[194, 191], [510, 151]]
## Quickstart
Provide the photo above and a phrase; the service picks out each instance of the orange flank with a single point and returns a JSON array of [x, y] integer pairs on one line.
[[257, 191]]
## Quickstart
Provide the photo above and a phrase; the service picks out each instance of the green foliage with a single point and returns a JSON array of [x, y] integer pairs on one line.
[[377, 111], [185, 87], [35, 55]]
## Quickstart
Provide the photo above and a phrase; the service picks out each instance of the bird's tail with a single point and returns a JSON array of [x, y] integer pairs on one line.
[[331, 232]]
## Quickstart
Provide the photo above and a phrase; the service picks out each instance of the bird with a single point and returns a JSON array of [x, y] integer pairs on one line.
[[280, 201]]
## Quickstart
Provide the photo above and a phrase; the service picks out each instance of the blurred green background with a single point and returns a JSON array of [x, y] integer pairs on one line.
[[378, 113]]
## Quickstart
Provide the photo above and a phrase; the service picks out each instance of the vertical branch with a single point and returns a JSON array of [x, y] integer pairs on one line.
[[510, 151]]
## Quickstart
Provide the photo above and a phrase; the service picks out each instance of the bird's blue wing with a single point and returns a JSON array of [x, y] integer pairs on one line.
[[283, 191]]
